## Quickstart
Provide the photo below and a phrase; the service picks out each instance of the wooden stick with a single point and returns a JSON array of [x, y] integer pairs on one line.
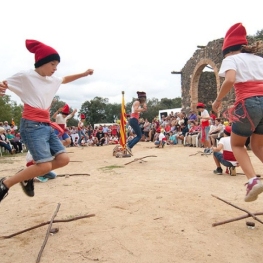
[[47, 234], [244, 210], [46, 223], [137, 159], [235, 219], [62, 175]]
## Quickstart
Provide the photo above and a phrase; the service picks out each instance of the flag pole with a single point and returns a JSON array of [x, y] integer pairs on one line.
[[123, 125]]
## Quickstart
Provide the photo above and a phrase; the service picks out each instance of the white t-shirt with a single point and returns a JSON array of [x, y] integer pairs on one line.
[[248, 67], [33, 89], [205, 113], [61, 120], [227, 147], [161, 136]]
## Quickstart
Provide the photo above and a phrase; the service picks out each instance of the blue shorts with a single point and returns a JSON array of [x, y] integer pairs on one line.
[[207, 128], [41, 140], [63, 137], [219, 157], [254, 108]]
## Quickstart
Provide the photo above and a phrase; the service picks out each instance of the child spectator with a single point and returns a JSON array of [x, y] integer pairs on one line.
[[172, 140], [160, 142], [226, 158]]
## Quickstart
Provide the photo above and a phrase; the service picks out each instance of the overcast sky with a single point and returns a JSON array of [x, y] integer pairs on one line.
[[131, 45]]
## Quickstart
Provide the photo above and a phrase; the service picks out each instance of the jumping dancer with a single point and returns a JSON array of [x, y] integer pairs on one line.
[[243, 69], [138, 106], [37, 88]]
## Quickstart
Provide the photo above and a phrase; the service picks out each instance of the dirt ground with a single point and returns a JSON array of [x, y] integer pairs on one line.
[[158, 210]]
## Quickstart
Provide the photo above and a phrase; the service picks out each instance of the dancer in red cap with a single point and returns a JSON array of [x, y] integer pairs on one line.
[[62, 116], [138, 106], [205, 127], [243, 69], [37, 88]]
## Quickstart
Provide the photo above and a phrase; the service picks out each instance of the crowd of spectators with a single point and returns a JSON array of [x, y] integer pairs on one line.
[[176, 128], [10, 138]]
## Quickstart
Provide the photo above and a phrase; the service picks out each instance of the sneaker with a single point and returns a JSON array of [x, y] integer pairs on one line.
[[253, 190], [3, 190], [205, 150], [232, 171], [209, 151], [218, 170], [28, 187], [128, 149], [41, 179]]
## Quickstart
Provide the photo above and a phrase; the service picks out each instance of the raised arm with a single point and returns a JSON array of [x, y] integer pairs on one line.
[[71, 114], [71, 78], [3, 88]]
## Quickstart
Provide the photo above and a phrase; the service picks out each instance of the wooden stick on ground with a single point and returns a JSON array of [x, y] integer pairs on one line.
[[46, 223], [47, 234], [244, 210], [137, 159], [62, 175], [235, 219]]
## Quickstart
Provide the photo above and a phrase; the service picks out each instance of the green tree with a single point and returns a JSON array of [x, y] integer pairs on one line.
[[95, 110], [259, 35], [6, 113], [113, 112]]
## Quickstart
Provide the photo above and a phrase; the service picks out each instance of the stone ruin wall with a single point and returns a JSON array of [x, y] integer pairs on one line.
[[198, 86]]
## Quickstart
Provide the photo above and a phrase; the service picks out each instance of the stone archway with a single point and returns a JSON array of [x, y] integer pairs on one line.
[[194, 84], [192, 75], [210, 55]]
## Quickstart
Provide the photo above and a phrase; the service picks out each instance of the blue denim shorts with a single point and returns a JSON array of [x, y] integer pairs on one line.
[[64, 136], [219, 157], [41, 140], [254, 109], [207, 128]]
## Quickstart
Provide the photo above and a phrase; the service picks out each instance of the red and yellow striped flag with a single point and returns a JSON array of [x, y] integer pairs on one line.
[[123, 122]]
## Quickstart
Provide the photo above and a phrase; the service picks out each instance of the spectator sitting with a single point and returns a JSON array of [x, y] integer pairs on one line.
[[4, 142], [192, 134], [131, 136], [146, 130], [160, 142], [114, 140], [100, 137], [182, 133], [6, 126], [215, 130], [75, 143], [192, 116], [226, 158], [14, 141], [172, 140], [167, 128]]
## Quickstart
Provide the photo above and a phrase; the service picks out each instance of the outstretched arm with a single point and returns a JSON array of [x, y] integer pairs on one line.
[[71, 114], [3, 88], [71, 78]]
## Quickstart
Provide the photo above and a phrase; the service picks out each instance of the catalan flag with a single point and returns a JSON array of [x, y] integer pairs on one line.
[[123, 122]]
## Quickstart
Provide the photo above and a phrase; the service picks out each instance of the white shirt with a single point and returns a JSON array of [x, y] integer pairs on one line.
[[248, 67], [225, 141], [34, 89], [61, 120], [161, 136]]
